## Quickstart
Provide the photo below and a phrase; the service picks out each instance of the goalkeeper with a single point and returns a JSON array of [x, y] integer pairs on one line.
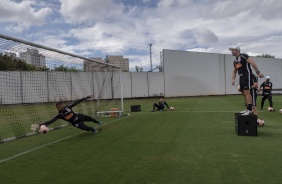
[[160, 106], [76, 119]]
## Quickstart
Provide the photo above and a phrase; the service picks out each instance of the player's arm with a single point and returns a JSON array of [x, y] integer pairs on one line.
[[166, 105], [254, 65], [36, 127], [255, 85], [233, 76], [259, 89], [50, 121], [78, 101]]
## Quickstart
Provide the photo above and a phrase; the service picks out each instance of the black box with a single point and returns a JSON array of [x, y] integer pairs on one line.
[[246, 125], [135, 108]]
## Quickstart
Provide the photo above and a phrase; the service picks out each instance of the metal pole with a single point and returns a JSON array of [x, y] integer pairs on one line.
[[151, 57]]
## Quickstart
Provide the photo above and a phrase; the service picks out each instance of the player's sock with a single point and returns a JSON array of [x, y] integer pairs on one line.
[[250, 107]]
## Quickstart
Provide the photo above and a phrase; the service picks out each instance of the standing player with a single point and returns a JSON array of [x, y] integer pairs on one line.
[[160, 106], [253, 91], [266, 92], [242, 65], [76, 119]]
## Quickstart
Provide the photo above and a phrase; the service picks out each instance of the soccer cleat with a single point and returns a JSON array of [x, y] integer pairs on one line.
[[248, 112], [100, 123], [152, 110], [161, 110], [242, 112], [94, 131]]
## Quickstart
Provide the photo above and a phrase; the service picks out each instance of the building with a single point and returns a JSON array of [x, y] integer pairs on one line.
[[119, 61], [11, 54], [92, 65], [123, 63], [31, 56]]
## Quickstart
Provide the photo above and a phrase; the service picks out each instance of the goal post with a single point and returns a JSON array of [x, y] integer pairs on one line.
[[34, 77], [108, 92]]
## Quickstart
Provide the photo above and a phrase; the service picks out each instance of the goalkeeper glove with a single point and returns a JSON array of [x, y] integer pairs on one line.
[[34, 127]]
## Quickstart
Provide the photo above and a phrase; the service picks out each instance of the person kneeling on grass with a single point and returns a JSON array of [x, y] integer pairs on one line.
[[160, 106], [76, 119]]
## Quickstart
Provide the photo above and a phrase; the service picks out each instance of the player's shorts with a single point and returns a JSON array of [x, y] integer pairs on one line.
[[246, 82]]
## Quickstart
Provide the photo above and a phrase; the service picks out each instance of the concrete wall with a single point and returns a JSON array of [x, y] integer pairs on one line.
[[185, 74], [195, 73]]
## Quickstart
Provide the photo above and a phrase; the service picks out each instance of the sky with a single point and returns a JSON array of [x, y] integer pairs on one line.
[[96, 28]]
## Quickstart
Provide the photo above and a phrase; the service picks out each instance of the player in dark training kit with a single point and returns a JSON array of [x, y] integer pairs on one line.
[[242, 65], [76, 119], [266, 92], [160, 106]]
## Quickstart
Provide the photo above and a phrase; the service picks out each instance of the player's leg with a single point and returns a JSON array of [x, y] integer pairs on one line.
[[240, 89], [270, 101], [84, 127], [254, 100], [155, 106], [88, 118], [262, 102], [245, 102], [246, 81]]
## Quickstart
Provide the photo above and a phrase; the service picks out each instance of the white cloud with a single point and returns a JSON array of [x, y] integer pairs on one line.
[[22, 15], [88, 10], [109, 28]]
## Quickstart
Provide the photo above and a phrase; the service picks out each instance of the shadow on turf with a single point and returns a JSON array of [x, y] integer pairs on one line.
[[87, 134]]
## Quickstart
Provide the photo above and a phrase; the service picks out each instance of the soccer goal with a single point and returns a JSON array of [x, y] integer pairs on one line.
[[34, 77]]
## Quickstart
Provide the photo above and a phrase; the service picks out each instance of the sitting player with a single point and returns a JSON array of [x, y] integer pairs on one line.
[[76, 119], [160, 106]]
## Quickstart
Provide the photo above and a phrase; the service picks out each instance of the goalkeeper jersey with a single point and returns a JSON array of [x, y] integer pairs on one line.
[[67, 114]]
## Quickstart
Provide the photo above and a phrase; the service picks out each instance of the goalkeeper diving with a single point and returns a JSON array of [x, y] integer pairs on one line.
[[66, 113]]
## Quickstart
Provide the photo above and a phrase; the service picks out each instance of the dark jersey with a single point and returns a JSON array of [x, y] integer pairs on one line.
[[266, 87], [67, 114], [242, 66], [163, 104]]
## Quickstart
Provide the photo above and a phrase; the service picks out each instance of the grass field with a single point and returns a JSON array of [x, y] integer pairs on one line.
[[196, 144]]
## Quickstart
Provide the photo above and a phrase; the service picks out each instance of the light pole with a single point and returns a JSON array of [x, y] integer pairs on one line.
[[151, 57]]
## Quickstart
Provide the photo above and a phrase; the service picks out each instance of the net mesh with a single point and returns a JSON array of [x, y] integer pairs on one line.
[[33, 78]]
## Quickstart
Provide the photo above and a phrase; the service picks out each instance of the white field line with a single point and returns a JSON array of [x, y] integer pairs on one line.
[[45, 145]]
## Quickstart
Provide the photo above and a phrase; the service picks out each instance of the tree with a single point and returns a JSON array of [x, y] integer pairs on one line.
[[159, 67], [266, 56], [65, 69], [8, 63], [138, 68]]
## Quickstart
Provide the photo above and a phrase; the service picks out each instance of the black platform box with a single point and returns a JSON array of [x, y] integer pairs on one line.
[[135, 108], [246, 125]]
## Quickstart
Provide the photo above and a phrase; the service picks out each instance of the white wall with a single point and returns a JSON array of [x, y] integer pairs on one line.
[[139, 83], [126, 84], [193, 74], [185, 74], [156, 84]]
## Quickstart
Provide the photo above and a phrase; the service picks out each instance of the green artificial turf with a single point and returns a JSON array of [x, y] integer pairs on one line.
[[196, 144]]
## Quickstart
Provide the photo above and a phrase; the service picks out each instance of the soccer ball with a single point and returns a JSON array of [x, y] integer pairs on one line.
[[43, 129], [171, 108], [270, 109], [280, 111], [260, 122]]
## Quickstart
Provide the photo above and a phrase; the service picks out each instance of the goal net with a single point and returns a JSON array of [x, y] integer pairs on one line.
[[34, 77]]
